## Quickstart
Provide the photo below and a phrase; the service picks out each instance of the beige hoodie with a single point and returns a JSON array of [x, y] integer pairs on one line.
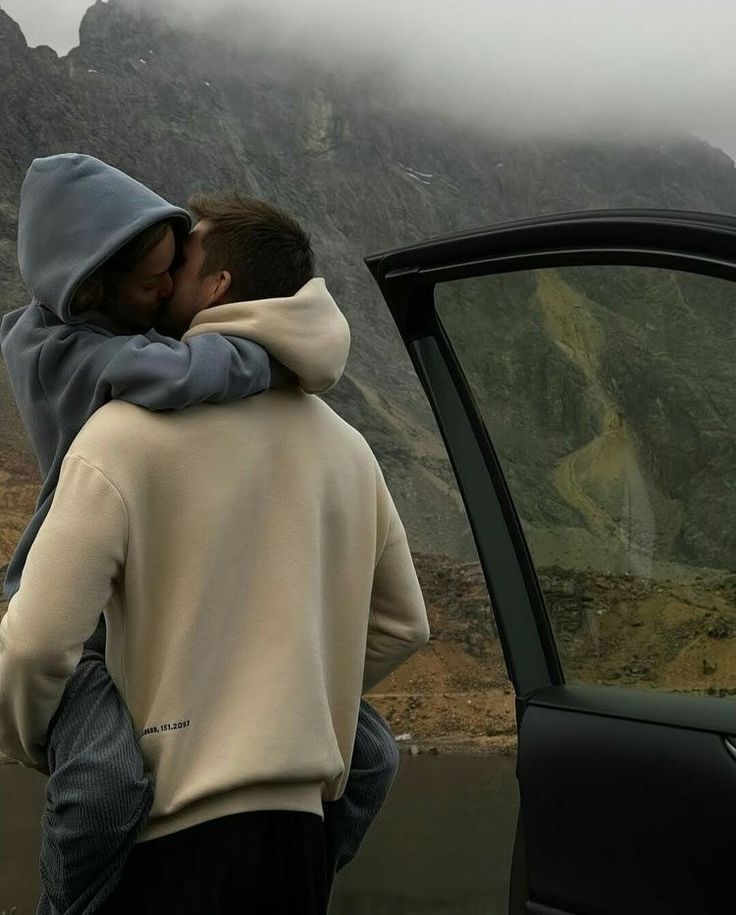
[[255, 575]]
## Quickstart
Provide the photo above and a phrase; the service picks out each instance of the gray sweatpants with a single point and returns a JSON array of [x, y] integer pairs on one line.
[[98, 795]]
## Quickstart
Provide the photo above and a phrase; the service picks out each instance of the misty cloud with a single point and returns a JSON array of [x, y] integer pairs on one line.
[[556, 68], [50, 22]]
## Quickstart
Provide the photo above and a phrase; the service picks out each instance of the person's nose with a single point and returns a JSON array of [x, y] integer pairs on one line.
[[167, 286]]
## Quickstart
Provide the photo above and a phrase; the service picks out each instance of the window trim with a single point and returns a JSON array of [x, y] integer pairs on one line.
[[695, 243]]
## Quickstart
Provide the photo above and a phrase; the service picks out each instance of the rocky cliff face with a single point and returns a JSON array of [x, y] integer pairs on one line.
[[609, 395], [182, 113]]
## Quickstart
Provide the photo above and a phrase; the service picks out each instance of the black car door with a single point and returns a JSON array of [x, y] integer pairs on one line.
[[582, 371]]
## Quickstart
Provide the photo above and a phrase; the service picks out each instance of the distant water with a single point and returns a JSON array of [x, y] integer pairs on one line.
[[442, 846]]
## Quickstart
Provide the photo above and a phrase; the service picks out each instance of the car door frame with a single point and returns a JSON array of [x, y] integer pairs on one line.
[[698, 243]]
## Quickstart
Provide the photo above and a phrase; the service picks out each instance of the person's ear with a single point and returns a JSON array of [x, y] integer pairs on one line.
[[224, 282]]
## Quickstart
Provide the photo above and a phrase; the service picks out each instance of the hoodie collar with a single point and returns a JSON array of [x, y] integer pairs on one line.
[[306, 332]]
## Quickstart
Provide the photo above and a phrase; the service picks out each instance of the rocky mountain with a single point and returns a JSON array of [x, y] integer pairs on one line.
[[184, 113], [609, 397]]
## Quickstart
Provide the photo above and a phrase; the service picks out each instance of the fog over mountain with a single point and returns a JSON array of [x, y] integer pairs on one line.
[[522, 68], [584, 441]]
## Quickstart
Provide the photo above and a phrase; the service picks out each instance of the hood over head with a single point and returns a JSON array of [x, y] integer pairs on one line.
[[75, 212], [307, 333]]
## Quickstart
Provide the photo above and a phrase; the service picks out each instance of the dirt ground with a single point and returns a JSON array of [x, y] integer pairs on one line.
[[445, 699], [453, 696]]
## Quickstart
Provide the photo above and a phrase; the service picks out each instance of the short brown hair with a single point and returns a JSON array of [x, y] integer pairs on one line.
[[265, 250], [100, 285]]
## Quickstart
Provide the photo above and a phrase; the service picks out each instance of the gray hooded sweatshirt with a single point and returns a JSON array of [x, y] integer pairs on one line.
[[75, 212]]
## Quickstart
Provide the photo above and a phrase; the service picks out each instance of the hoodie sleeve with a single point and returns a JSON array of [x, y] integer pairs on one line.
[[70, 574], [82, 370], [398, 624]]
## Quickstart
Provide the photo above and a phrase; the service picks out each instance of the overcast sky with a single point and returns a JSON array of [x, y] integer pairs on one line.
[[530, 67]]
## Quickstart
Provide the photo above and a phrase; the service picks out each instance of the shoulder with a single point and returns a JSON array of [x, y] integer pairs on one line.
[[35, 327], [351, 441], [115, 430], [28, 324], [339, 426]]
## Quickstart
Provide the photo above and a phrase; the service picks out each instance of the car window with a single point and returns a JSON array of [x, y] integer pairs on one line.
[[609, 394]]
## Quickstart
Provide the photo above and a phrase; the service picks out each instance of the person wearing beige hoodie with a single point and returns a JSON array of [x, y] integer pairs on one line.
[[267, 519]]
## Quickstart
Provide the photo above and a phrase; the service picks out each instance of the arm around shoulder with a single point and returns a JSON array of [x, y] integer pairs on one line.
[[83, 370]]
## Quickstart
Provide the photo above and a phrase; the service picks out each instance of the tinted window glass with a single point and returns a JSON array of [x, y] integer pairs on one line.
[[610, 396]]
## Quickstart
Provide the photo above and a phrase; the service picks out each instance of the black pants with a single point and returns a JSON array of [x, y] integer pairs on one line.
[[270, 862]]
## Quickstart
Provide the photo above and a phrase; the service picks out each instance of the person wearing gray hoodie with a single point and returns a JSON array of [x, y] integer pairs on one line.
[[76, 214]]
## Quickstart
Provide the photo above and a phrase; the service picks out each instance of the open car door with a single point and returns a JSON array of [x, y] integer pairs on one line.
[[582, 372]]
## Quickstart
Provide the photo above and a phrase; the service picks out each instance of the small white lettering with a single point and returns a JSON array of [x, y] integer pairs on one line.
[[158, 728]]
